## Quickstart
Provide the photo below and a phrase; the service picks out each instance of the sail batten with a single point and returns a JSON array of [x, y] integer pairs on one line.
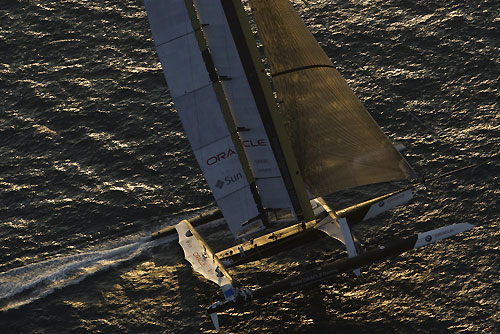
[[299, 69], [337, 143]]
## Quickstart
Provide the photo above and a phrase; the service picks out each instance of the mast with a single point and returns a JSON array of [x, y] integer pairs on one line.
[[267, 107]]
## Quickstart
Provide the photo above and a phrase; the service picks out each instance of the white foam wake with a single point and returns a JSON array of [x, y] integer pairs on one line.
[[20, 286]]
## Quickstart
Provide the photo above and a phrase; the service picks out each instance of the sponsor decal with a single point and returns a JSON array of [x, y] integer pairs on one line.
[[234, 178], [381, 203], [445, 232], [200, 259], [220, 156], [254, 143], [228, 180], [428, 238], [227, 154], [265, 170], [396, 197]]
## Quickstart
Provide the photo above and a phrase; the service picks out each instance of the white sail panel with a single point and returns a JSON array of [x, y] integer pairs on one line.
[[199, 110], [226, 178], [243, 107], [168, 20], [183, 64], [275, 195], [199, 128], [239, 213], [221, 166]]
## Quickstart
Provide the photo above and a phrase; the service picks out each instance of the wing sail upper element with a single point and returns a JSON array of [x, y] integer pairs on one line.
[[199, 109], [243, 107]]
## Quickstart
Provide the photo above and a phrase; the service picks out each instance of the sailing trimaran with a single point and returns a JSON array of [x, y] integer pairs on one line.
[[271, 145]]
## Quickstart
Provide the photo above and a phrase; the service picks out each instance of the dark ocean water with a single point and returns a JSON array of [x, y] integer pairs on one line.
[[93, 159]]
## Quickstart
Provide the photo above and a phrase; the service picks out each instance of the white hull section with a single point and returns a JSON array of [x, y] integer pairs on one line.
[[390, 203], [202, 259]]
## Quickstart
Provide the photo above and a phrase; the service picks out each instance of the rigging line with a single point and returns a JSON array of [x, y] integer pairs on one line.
[[302, 68], [200, 208], [183, 35], [434, 178], [424, 182], [233, 192], [212, 142], [412, 114], [194, 90]]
